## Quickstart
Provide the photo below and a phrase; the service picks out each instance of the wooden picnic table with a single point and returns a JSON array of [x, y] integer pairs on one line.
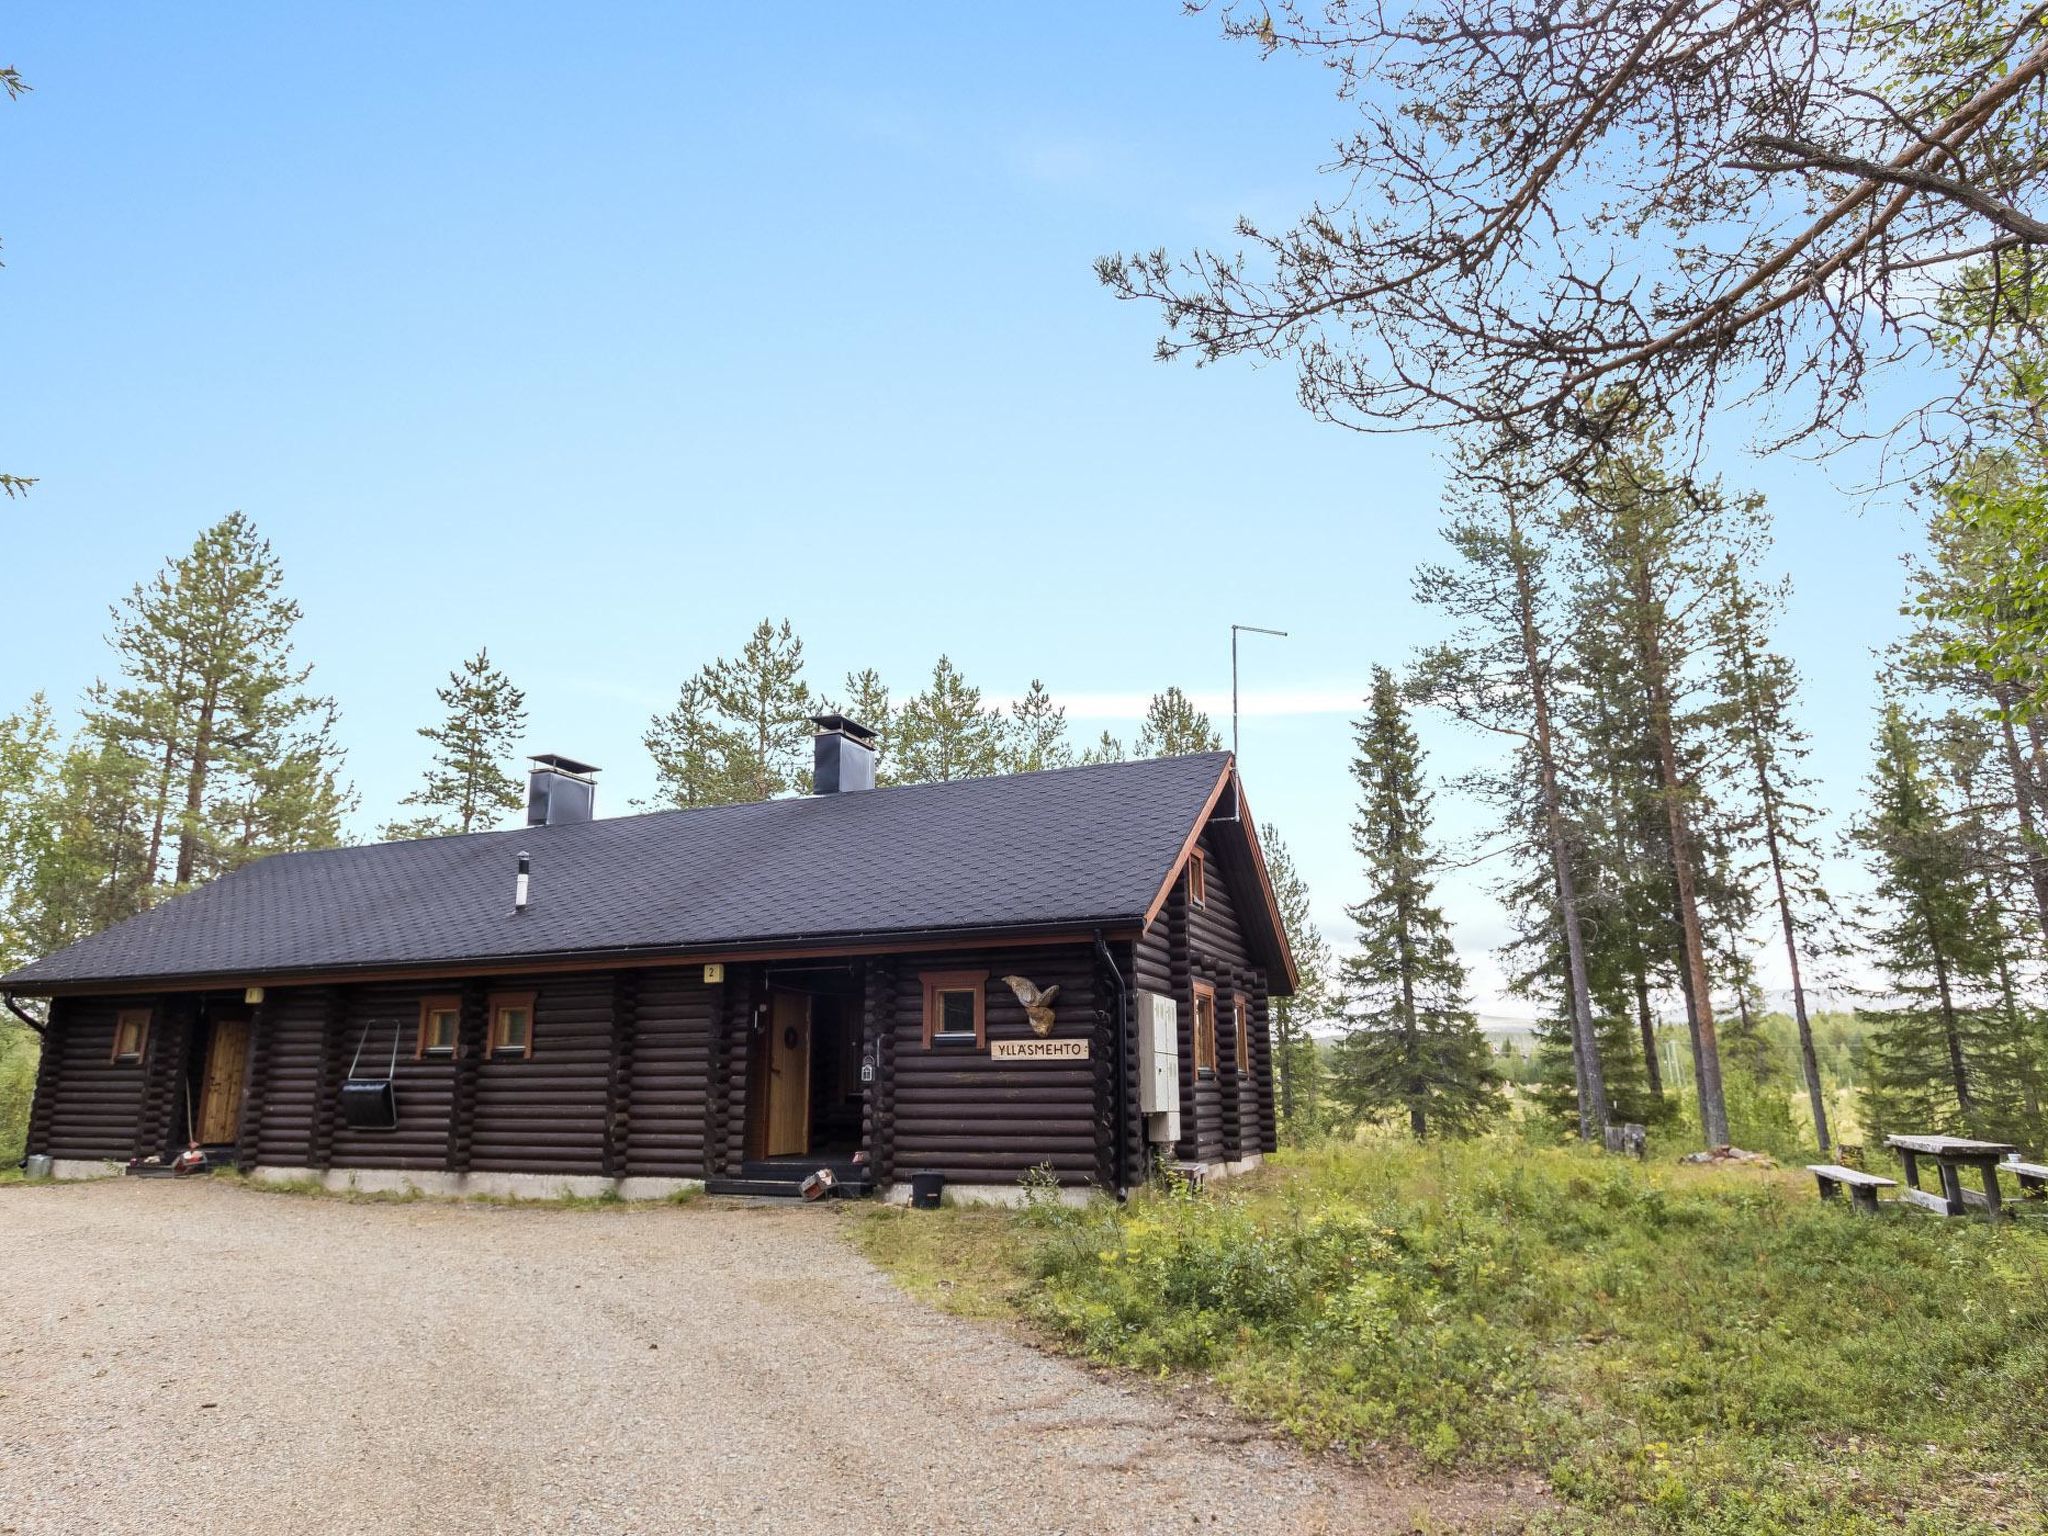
[[1951, 1154]]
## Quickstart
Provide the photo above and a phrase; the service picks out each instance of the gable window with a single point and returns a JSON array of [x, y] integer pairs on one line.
[[1198, 878], [1205, 1029], [954, 1007], [1241, 1031], [440, 1023], [131, 1034], [511, 1023]]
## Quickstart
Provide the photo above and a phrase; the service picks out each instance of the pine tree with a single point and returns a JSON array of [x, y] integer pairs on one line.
[[1107, 749], [1411, 1044], [692, 752], [95, 868], [467, 785], [1498, 674], [740, 728], [867, 703], [1297, 1064], [767, 708], [1757, 691], [29, 761], [945, 733], [1035, 736], [1173, 727], [1934, 939], [211, 697]]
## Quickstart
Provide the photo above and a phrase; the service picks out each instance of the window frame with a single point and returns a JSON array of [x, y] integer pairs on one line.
[[1203, 1035], [443, 1003], [495, 1044], [935, 984], [1198, 878], [115, 1055], [1241, 1028]]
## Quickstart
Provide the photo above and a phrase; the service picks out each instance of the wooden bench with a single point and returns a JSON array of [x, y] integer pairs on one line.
[[1862, 1187], [2033, 1178]]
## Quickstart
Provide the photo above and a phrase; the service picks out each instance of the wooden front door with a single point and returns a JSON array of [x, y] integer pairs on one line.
[[789, 1076], [220, 1090]]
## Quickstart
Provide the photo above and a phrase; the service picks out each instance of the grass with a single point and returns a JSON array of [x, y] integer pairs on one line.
[[1677, 1349]]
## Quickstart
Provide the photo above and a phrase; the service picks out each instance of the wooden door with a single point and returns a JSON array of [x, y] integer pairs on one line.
[[220, 1091], [789, 1075]]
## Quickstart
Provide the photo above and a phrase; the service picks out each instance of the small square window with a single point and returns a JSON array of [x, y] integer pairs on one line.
[[1198, 879], [512, 1024], [131, 1034], [954, 1011], [440, 1026]]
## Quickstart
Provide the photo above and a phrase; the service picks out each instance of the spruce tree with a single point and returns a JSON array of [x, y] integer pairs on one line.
[[1757, 692], [1173, 727], [1297, 1064], [1935, 941], [468, 785], [1499, 674], [1035, 735], [1656, 544], [945, 733], [1411, 1045], [94, 869]]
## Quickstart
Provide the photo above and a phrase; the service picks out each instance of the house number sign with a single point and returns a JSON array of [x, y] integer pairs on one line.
[[1038, 1050]]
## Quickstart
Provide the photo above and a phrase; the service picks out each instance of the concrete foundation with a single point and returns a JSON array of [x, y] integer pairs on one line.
[[82, 1168], [499, 1186]]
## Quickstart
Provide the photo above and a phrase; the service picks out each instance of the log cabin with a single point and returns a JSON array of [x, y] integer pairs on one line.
[[860, 979]]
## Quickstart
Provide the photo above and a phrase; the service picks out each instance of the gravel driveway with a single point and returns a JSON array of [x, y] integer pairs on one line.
[[195, 1358]]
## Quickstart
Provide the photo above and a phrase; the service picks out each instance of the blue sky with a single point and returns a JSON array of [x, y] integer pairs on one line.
[[596, 335]]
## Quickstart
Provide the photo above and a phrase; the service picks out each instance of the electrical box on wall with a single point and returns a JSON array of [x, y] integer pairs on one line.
[[1158, 1054]]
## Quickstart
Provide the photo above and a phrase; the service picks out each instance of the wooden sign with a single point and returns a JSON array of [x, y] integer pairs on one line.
[[1038, 1050]]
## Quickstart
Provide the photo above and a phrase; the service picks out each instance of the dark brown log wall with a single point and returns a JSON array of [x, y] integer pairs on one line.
[[290, 1033], [376, 1014], [667, 1092], [980, 1121], [94, 1106]]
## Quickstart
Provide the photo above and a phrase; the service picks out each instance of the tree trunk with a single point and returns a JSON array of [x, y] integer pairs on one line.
[[1646, 1023], [1591, 1080], [1706, 1049], [1951, 1031], [195, 786], [1809, 1059], [1411, 1044], [2033, 850]]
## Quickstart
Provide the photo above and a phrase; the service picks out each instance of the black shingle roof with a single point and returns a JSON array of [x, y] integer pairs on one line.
[[1070, 847]]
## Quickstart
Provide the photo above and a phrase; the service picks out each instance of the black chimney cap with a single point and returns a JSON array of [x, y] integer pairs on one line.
[[561, 764], [845, 727]]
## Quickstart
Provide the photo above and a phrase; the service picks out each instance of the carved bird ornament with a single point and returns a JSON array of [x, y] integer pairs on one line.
[[1037, 1004]]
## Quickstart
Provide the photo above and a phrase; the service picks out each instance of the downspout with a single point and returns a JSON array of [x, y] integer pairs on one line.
[[1118, 1163], [40, 1032]]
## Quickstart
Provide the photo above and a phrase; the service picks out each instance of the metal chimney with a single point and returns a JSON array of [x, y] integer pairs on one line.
[[842, 756], [559, 790]]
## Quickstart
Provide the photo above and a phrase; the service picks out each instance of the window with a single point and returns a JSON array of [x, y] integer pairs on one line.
[[1241, 1029], [1205, 1028], [440, 1022], [512, 1024], [953, 1007], [1198, 878], [131, 1034]]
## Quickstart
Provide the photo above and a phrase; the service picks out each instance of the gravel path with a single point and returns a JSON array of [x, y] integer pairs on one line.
[[201, 1359]]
